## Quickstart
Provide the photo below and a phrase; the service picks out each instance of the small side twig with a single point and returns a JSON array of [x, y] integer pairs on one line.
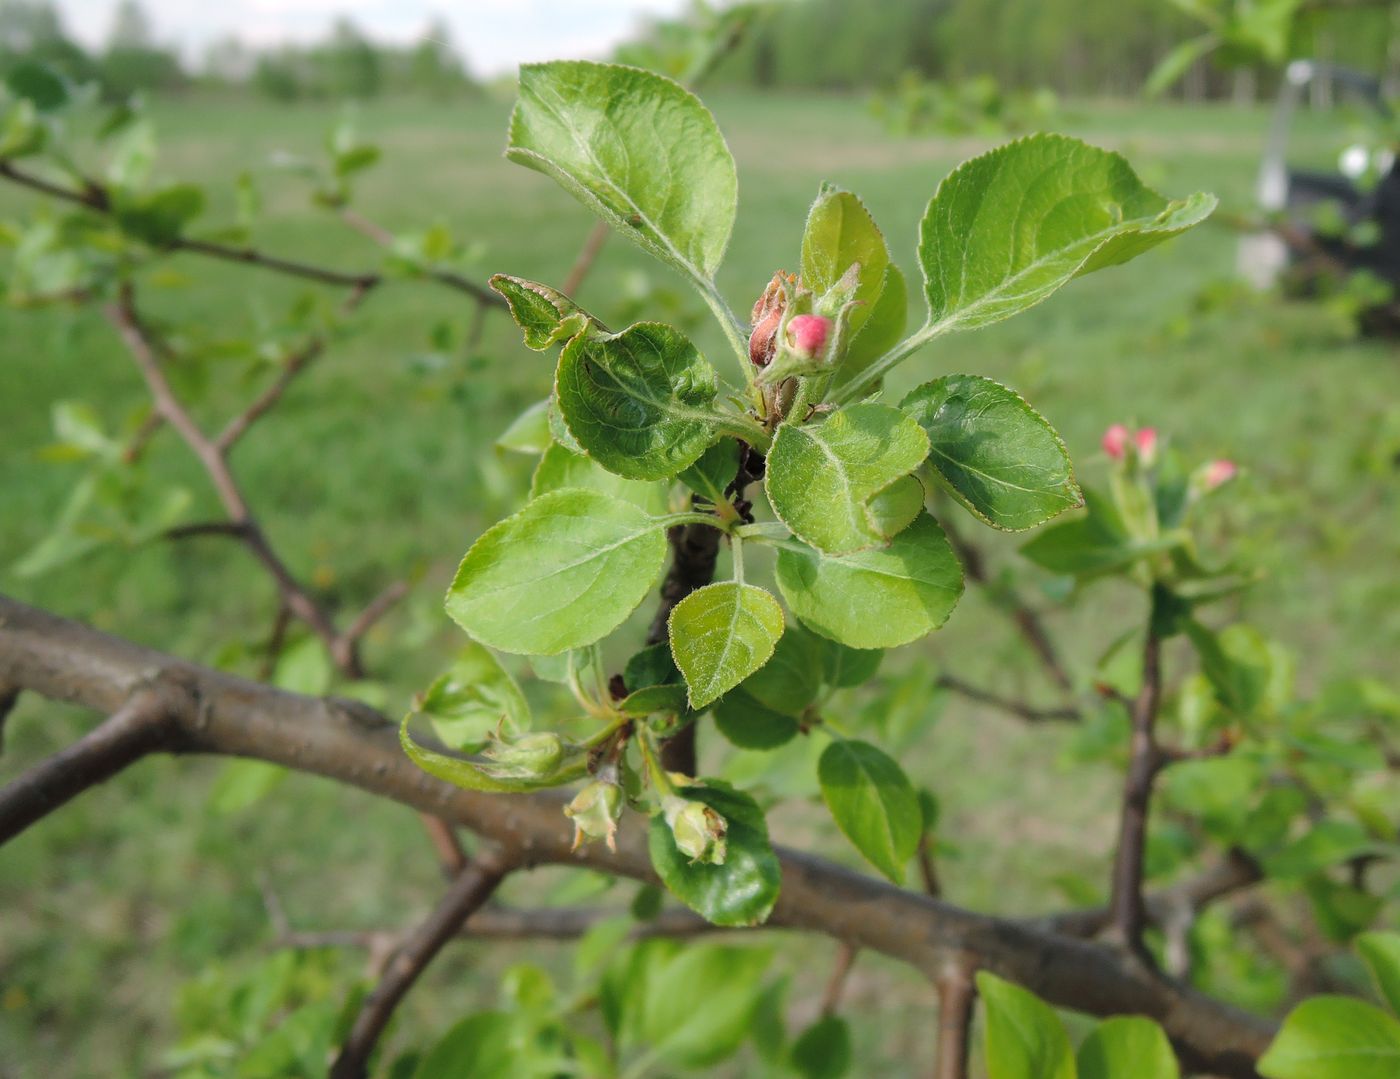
[[1030, 713], [840, 973], [9, 696], [472, 887], [587, 255], [141, 726], [957, 992]]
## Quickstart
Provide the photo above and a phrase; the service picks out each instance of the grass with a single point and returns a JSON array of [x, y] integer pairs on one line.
[[378, 465]]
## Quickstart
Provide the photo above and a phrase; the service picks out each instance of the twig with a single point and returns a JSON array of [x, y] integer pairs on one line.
[[96, 197], [957, 992], [1030, 713], [472, 887], [374, 610], [276, 640], [228, 529], [135, 729], [9, 696], [840, 972], [1129, 910], [142, 438], [927, 870], [587, 255]]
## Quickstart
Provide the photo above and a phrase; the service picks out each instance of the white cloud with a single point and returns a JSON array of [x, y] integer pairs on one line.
[[494, 35]]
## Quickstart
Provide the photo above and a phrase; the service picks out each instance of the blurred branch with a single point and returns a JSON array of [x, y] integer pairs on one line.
[[840, 973], [349, 742], [957, 993], [472, 887], [96, 197], [1030, 713]]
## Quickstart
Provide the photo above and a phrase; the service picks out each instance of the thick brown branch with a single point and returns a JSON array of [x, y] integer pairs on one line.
[[1029, 712], [95, 197], [140, 726], [342, 740], [472, 887], [957, 993], [1129, 909]]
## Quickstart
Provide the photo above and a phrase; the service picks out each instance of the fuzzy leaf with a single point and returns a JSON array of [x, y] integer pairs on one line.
[[721, 634], [562, 573], [997, 455], [879, 598], [840, 232], [545, 315], [560, 468], [472, 698]]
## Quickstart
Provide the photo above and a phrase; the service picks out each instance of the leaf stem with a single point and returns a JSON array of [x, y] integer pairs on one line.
[[736, 548], [729, 323], [877, 370], [670, 520]]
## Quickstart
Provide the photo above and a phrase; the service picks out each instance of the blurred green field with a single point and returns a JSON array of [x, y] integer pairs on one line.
[[378, 465]]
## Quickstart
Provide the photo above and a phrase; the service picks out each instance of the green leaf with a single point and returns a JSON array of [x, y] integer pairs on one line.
[[243, 784], [652, 666], [844, 667], [1381, 953], [823, 1050], [714, 471], [823, 478], [878, 598], [1025, 1038], [1091, 545], [996, 454], [465, 774], [159, 218], [1007, 229], [651, 700], [750, 724], [1175, 64], [640, 402], [528, 432], [637, 149], [698, 1006], [1328, 1037], [790, 681], [743, 890], [472, 698], [840, 232], [873, 803], [562, 573], [882, 330], [39, 84], [545, 315], [560, 468], [482, 1045], [721, 634], [1127, 1045], [1237, 662]]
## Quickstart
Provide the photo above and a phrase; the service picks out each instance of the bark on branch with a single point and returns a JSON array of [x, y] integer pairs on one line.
[[346, 741]]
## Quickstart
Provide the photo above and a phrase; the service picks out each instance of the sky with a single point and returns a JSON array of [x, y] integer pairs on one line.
[[493, 35]]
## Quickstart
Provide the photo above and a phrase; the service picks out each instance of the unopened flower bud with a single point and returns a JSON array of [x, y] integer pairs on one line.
[[595, 811], [530, 756], [698, 830], [1146, 442], [808, 334], [1217, 473], [1115, 441]]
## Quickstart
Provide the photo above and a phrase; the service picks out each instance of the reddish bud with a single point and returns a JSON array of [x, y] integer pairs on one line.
[[1218, 472], [1115, 441], [1146, 441], [808, 334]]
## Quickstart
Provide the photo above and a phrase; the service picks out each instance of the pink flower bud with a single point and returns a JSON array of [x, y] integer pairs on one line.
[[808, 334], [1146, 442], [1218, 472], [1115, 441]]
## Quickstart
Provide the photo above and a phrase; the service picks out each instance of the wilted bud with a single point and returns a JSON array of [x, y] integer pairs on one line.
[[698, 830], [529, 756], [808, 334], [767, 316], [1115, 441], [1217, 472], [595, 811], [1146, 442]]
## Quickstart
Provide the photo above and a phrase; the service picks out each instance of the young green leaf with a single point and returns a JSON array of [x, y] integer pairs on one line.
[[1328, 1037], [486, 1044], [639, 402], [996, 454], [744, 888], [1025, 1038], [474, 697], [882, 330], [560, 468], [823, 1050], [698, 1005], [1127, 1045], [878, 598], [840, 232], [545, 315], [1007, 229], [714, 471], [750, 724], [790, 681], [1092, 545], [844, 667], [528, 432], [823, 480], [469, 776], [721, 634], [1381, 954], [637, 149], [873, 803], [563, 572]]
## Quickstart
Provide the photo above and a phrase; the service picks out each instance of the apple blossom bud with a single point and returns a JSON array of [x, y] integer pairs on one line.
[[595, 811], [1217, 473], [529, 756], [698, 830], [1115, 441], [808, 334], [1146, 442]]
